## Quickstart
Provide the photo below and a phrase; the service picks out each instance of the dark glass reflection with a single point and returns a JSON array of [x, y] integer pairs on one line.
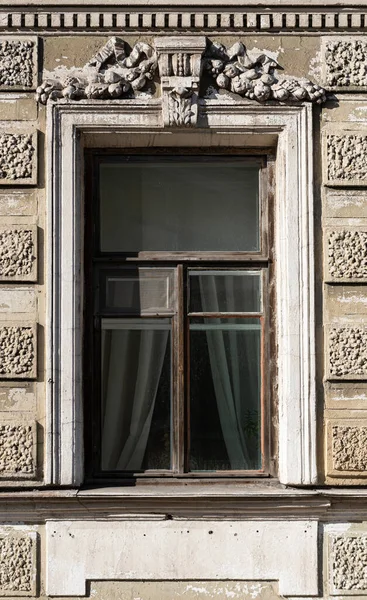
[[179, 205]]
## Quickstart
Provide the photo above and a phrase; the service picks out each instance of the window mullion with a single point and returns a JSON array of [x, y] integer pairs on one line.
[[178, 401]]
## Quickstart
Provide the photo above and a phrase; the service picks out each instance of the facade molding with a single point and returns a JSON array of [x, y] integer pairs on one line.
[[179, 19], [228, 121]]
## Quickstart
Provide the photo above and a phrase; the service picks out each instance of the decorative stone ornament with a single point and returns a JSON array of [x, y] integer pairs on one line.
[[18, 158], [18, 448], [345, 63], [347, 353], [18, 562], [348, 559], [111, 73], [18, 251], [179, 60], [345, 158], [18, 63], [18, 351], [254, 77], [346, 255]]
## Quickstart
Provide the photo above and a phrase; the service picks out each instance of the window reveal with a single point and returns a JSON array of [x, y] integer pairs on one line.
[[180, 274]]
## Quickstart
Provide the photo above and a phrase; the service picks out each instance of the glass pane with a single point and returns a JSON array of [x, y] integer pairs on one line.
[[225, 291], [139, 290], [225, 394], [136, 394], [179, 205]]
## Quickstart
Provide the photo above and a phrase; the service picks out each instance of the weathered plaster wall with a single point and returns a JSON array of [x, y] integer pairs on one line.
[[37, 559]]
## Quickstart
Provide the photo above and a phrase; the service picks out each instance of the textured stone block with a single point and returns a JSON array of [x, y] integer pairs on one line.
[[345, 159], [344, 63], [347, 353], [347, 564], [17, 450], [18, 63], [346, 255], [18, 253], [18, 564], [18, 158], [349, 447], [18, 351]]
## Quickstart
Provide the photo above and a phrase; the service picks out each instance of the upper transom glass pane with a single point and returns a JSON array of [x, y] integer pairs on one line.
[[179, 204]]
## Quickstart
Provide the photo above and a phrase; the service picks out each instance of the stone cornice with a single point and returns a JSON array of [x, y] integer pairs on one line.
[[194, 17], [231, 500]]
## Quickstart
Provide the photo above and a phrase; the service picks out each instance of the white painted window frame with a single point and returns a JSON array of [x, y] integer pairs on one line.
[[247, 124]]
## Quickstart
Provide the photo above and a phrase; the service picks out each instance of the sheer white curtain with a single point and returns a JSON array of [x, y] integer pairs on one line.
[[132, 364], [234, 385]]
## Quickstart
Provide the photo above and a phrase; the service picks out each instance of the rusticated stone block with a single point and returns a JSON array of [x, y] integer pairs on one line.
[[18, 158], [18, 63], [17, 451], [345, 158], [18, 564], [347, 353], [349, 448], [18, 352], [346, 255], [345, 63], [18, 249], [348, 560]]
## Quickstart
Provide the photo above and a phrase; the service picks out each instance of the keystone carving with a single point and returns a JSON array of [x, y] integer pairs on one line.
[[348, 555], [115, 73], [346, 159], [349, 448], [18, 63], [179, 61], [18, 245], [18, 155], [255, 77], [347, 255], [345, 64], [18, 346], [111, 73], [17, 451], [348, 353]]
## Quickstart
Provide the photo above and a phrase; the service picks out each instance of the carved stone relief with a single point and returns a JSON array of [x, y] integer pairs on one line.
[[114, 73], [18, 158], [348, 560], [18, 248], [345, 157], [17, 451], [18, 351], [18, 63], [347, 353], [255, 77], [111, 73], [349, 448], [18, 564], [346, 255], [345, 63]]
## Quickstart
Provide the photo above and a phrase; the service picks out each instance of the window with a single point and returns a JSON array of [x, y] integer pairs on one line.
[[177, 263]]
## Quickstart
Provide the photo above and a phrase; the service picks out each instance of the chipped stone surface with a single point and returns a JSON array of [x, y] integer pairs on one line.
[[347, 255], [18, 246], [17, 564], [346, 159], [349, 448], [18, 154], [17, 63], [18, 349], [348, 563], [348, 353], [16, 451]]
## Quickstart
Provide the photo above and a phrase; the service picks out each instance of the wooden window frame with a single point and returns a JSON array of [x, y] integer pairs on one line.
[[182, 262]]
